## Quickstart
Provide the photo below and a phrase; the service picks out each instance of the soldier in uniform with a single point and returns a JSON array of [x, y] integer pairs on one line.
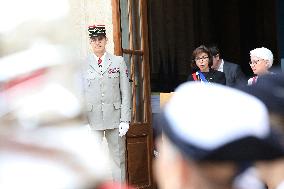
[[108, 98]]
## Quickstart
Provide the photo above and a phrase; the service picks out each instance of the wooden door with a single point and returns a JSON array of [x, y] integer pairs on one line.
[[131, 41]]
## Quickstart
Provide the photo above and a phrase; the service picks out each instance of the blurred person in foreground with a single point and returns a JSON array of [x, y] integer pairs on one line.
[[233, 72], [108, 97], [202, 61], [261, 60], [270, 90], [44, 140], [201, 151], [51, 157]]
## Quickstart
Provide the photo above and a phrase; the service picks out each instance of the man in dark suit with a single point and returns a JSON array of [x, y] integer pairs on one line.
[[233, 73]]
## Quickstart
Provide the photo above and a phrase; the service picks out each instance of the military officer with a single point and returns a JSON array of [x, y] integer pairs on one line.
[[108, 98]]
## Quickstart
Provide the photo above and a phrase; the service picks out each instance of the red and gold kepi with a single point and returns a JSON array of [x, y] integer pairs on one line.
[[97, 30]]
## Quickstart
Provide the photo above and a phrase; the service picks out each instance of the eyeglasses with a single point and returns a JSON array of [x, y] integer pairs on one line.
[[201, 58], [254, 62]]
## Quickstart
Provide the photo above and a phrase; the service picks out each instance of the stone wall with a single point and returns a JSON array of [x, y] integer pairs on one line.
[[90, 12]]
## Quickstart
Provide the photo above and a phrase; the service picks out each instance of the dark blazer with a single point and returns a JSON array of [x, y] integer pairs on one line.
[[234, 75], [213, 76]]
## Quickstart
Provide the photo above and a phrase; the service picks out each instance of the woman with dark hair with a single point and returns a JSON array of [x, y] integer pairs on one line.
[[202, 61]]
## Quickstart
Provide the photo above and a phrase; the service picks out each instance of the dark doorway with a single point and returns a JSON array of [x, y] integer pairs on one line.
[[177, 27]]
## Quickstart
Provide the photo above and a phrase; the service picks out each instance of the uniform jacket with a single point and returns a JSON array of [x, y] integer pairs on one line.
[[107, 91], [234, 75]]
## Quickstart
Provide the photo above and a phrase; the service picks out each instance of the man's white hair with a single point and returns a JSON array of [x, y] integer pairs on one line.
[[263, 53]]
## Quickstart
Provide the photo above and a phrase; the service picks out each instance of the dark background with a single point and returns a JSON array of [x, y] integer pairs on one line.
[[177, 27]]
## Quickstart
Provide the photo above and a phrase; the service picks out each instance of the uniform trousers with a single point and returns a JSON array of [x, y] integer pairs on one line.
[[116, 146]]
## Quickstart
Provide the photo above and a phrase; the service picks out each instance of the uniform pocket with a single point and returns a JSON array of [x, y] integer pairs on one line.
[[113, 75], [114, 80], [117, 105]]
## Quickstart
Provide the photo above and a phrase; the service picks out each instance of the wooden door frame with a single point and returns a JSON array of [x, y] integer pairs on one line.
[[139, 128], [116, 27], [145, 49]]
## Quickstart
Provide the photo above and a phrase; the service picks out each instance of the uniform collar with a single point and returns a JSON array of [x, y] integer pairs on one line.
[[103, 57]]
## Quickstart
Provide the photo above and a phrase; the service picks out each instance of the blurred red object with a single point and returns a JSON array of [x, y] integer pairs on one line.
[[22, 79], [113, 185]]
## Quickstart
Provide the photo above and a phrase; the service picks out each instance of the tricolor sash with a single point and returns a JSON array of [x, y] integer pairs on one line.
[[201, 77]]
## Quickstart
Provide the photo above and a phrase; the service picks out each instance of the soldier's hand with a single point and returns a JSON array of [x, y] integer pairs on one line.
[[123, 128]]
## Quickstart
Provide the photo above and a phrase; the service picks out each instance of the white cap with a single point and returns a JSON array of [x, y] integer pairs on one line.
[[206, 119], [263, 53]]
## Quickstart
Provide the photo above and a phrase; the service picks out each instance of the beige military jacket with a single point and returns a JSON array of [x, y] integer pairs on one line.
[[108, 93]]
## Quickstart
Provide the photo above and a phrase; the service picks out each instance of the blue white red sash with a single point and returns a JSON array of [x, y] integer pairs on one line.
[[201, 76]]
